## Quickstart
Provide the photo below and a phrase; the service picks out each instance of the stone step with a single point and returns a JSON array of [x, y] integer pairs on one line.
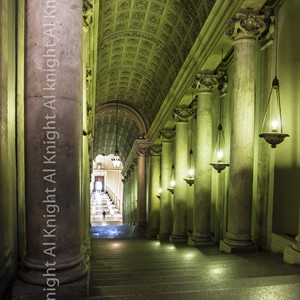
[[281, 292], [188, 286], [148, 269]]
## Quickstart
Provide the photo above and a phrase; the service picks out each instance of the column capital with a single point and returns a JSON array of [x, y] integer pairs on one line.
[[205, 82], [167, 135], [87, 13], [248, 24], [183, 114], [222, 82], [155, 150], [143, 146], [88, 75]]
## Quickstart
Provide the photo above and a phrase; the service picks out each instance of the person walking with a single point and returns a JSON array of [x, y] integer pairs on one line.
[[104, 214]]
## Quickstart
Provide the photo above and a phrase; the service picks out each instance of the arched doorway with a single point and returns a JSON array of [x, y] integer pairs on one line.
[[106, 191]]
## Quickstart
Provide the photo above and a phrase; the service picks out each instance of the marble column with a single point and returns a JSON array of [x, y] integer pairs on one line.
[[124, 208], [179, 233], [165, 225], [129, 198], [291, 254], [244, 29], [203, 171], [53, 124], [154, 201], [134, 191], [141, 181]]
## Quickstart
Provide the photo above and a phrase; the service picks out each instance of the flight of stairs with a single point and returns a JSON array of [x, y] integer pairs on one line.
[[147, 269], [101, 202]]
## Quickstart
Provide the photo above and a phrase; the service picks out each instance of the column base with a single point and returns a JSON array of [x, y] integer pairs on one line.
[[291, 255], [200, 241], [178, 238], [140, 230], [163, 236], [227, 248], [35, 273], [152, 234], [142, 223], [72, 291]]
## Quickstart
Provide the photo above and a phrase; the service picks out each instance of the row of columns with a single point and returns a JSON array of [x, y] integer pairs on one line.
[[166, 212]]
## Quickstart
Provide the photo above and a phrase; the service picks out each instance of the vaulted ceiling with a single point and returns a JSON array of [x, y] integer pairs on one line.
[[142, 45]]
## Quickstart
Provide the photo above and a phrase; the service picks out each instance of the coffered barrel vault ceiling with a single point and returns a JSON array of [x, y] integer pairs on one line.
[[142, 45]]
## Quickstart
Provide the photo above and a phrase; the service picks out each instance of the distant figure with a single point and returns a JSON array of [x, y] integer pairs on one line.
[[104, 214]]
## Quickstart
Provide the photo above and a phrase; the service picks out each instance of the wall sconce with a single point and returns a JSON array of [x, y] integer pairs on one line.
[[159, 192], [191, 170], [220, 152], [273, 134], [172, 182]]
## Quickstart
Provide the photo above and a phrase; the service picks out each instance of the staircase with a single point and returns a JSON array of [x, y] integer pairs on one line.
[[101, 202], [147, 269]]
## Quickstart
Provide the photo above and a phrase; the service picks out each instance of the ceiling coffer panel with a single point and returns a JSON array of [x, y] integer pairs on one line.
[[105, 140], [142, 45]]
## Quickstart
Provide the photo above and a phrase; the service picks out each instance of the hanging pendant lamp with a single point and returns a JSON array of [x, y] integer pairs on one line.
[[273, 132]]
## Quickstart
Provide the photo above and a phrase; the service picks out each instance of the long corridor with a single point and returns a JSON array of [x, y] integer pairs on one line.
[[147, 269]]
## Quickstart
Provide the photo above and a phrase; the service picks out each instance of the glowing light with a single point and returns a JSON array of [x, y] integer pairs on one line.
[[189, 256], [216, 271], [220, 155], [275, 125], [159, 190], [172, 183], [116, 245], [191, 172]]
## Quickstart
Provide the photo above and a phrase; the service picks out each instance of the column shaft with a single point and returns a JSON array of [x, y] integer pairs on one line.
[[245, 28], [154, 201], [181, 161], [165, 226], [141, 204], [53, 124], [202, 179], [291, 254]]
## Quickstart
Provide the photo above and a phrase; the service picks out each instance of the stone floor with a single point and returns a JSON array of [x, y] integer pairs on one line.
[[138, 268]]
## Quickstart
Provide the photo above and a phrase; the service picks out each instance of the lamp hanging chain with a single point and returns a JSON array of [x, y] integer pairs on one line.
[[117, 124]]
